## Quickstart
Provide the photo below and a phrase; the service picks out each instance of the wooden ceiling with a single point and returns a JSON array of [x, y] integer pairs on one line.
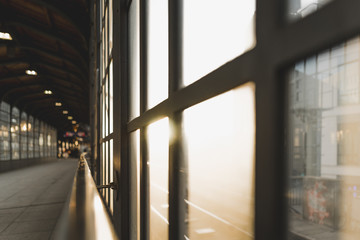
[[50, 37]]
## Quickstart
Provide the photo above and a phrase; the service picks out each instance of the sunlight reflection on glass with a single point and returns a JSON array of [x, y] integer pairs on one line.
[[215, 34], [220, 135], [157, 52], [158, 137]]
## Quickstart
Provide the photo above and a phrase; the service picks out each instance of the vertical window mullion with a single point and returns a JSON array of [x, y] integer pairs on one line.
[[144, 169], [177, 171]]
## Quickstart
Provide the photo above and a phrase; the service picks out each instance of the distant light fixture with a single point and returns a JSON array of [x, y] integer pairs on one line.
[[23, 127], [65, 112], [70, 117], [5, 36], [58, 104], [31, 72], [74, 122], [48, 92]]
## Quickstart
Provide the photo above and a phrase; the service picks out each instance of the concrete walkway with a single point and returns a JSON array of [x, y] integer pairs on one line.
[[31, 199]]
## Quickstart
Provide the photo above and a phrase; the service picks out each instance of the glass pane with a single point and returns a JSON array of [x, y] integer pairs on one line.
[[4, 131], [103, 111], [157, 52], [110, 26], [106, 43], [102, 169], [106, 105], [111, 173], [134, 58], [298, 9], [220, 135], [107, 171], [15, 133], [103, 56], [323, 145], [215, 33], [158, 140], [111, 101], [135, 184]]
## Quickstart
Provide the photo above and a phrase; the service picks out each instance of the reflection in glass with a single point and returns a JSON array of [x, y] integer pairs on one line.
[[158, 140], [323, 144], [158, 52], [215, 33], [301, 8], [220, 135]]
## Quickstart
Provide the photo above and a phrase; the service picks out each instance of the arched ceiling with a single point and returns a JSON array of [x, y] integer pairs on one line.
[[50, 37]]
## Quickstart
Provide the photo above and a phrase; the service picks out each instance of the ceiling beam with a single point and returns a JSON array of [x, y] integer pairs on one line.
[[46, 33], [63, 14]]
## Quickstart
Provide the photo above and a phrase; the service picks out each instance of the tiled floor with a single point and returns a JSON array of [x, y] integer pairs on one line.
[[31, 199]]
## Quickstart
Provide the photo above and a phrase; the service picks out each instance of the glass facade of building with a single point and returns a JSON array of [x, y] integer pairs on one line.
[[24, 137]]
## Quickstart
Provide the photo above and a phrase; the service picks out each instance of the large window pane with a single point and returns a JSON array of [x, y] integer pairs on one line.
[[301, 8], [220, 136], [30, 130], [215, 33], [36, 138], [323, 145], [158, 139], [15, 133], [4, 131], [157, 52], [23, 134]]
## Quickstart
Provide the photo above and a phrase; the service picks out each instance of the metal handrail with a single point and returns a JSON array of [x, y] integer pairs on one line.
[[84, 215]]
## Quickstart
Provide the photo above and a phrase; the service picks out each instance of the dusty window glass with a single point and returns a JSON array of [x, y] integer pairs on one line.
[[215, 33], [158, 147], [323, 140], [220, 136], [298, 9]]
